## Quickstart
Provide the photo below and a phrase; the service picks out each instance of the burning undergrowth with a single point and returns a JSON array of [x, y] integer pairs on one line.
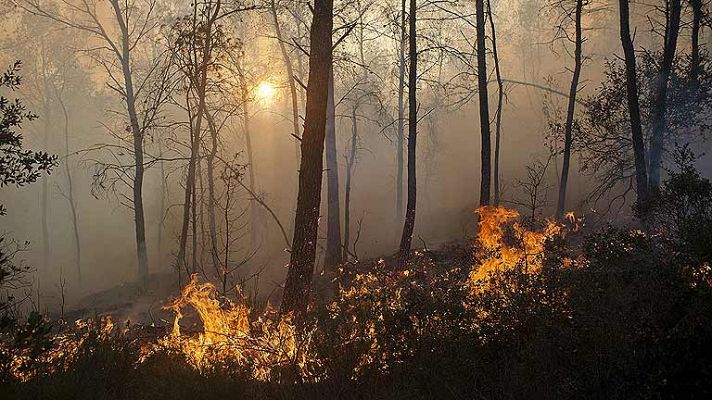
[[266, 345], [484, 316]]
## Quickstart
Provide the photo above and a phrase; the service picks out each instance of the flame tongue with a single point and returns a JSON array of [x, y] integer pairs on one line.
[[495, 255], [228, 336]]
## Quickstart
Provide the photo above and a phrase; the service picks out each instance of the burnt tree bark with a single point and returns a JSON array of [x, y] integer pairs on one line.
[[641, 175], [409, 223], [486, 147], [657, 139], [571, 109], [301, 264]]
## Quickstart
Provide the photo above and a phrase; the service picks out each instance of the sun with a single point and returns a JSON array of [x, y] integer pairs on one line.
[[265, 91]]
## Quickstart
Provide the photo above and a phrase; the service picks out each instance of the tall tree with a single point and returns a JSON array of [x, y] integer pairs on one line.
[[672, 30], [121, 31], [301, 264], [400, 131], [69, 195], [485, 140], [695, 54], [333, 226], [641, 175], [194, 49], [500, 102], [409, 223], [288, 68], [571, 108]]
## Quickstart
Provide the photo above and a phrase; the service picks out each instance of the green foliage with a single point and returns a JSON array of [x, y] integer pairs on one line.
[[18, 166]]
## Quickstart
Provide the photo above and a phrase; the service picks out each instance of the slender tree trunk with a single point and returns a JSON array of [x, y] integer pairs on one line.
[[251, 167], [45, 191], [290, 72], [409, 223], [657, 139], [350, 161], [695, 58], [400, 133], [212, 228], [199, 83], [301, 264], [70, 194], [162, 206], [568, 126], [633, 103], [333, 227], [194, 218], [245, 96], [500, 101], [486, 151], [139, 219], [47, 119]]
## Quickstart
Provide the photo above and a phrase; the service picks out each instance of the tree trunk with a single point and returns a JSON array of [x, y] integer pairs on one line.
[[45, 191], [486, 151], [139, 219], [500, 101], [212, 228], [70, 194], [633, 103], [568, 126], [250, 168], [162, 205], [301, 264], [409, 223], [333, 227], [695, 59], [350, 161], [400, 133], [657, 139], [199, 83], [290, 72], [47, 119]]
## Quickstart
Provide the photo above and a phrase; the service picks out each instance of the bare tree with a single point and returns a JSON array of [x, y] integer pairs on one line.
[[301, 264], [633, 103], [289, 69], [69, 195], [672, 30], [333, 226], [500, 100], [571, 108], [485, 140], [409, 223], [121, 30], [400, 132]]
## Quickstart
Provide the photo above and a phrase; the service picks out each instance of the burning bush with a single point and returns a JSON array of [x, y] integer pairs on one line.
[[268, 347]]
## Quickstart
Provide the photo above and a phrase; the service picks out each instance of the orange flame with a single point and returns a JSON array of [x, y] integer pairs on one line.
[[267, 344], [495, 255]]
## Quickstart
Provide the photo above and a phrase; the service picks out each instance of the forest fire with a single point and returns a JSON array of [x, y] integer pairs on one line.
[[272, 199]]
